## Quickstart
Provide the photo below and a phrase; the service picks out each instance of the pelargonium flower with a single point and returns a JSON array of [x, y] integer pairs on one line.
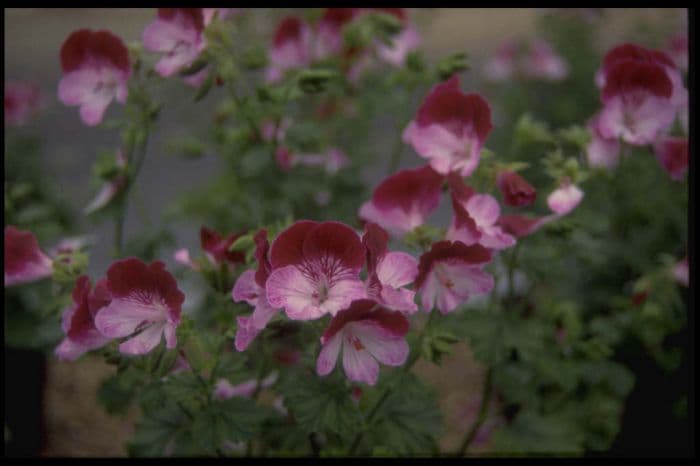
[[365, 333], [601, 152], [95, 68], [145, 305], [565, 198], [250, 287], [637, 104], [404, 200], [475, 218], [329, 37], [501, 66], [450, 273], [680, 271], [178, 34], [111, 187], [22, 100], [389, 272], [402, 43], [216, 247], [78, 320], [542, 62], [516, 191], [672, 154], [291, 47], [315, 268], [450, 128], [628, 52], [225, 390], [24, 261], [522, 225]]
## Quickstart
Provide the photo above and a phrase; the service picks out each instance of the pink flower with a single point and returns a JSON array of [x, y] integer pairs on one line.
[[182, 256], [284, 158], [601, 152], [24, 261], [475, 218], [680, 271], [404, 200], [637, 105], [389, 272], [542, 62], [178, 34], [677, 49], [22, 100], [332, 161], [501, 66], [315, 268], [402, 44], [672, 154], [565, 198], [366, 333], [450, 128], [516, 191], [329, 37], [450, 273], [145, 304], [222, 14], [111, 188], [216, 247], [271, 132], [95, 68], [78, 320], [225, 390], [250, 287], [291, 47]]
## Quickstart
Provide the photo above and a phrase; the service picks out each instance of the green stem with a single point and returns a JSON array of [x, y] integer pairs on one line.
[[481, 417]]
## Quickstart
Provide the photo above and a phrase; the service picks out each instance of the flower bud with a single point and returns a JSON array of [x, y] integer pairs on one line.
[[516, 191]]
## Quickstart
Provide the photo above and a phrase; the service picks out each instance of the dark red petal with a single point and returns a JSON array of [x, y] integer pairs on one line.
[[518, 225], [628, 51], [462, 219], [262, 247], [85, 45], [448, 250], [81, 320], [289, 29], [209, 239], [132, 278], [459, 188], [100, 297], [394, 321], [375, 241], [334, 239], [287, 248], [408, 187], [73, 50], [233, 257], [337, 17], [20, 247], [516, 191], [629, 76], [107, 46], [358, 310]]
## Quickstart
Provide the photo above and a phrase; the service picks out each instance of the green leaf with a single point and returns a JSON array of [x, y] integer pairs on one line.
[[534, 433], [116, 392]]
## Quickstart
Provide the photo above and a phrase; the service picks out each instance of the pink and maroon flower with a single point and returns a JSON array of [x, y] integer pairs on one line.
[[365, 333], [145, 305], [450, 128], [177, 33], [542, 62], [516, 191], [96, 69], [672, 154], [565, 198], [450, 273], [22, 101], [250, 287], [389, 272], [78, 320], [291, 47], [475, 218], [315, 269], [216, 247], [404, 200], [111, 188], [637, 102], [601, 152], [24, 261], [329, 36]]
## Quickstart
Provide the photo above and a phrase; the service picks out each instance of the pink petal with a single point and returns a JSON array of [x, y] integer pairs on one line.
[[246, 288], [386, 347], [287, 287], [145, 341], [399, 299], [359, 365], [24, 262], [397, 269], [245, 333], [68, 350], [564, 199], [342, 293], [121, 317], [484, 209], [451, 284], [329, 354], [446, 151]]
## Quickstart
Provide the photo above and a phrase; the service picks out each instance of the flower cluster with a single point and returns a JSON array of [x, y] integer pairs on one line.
[[538, 62]]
